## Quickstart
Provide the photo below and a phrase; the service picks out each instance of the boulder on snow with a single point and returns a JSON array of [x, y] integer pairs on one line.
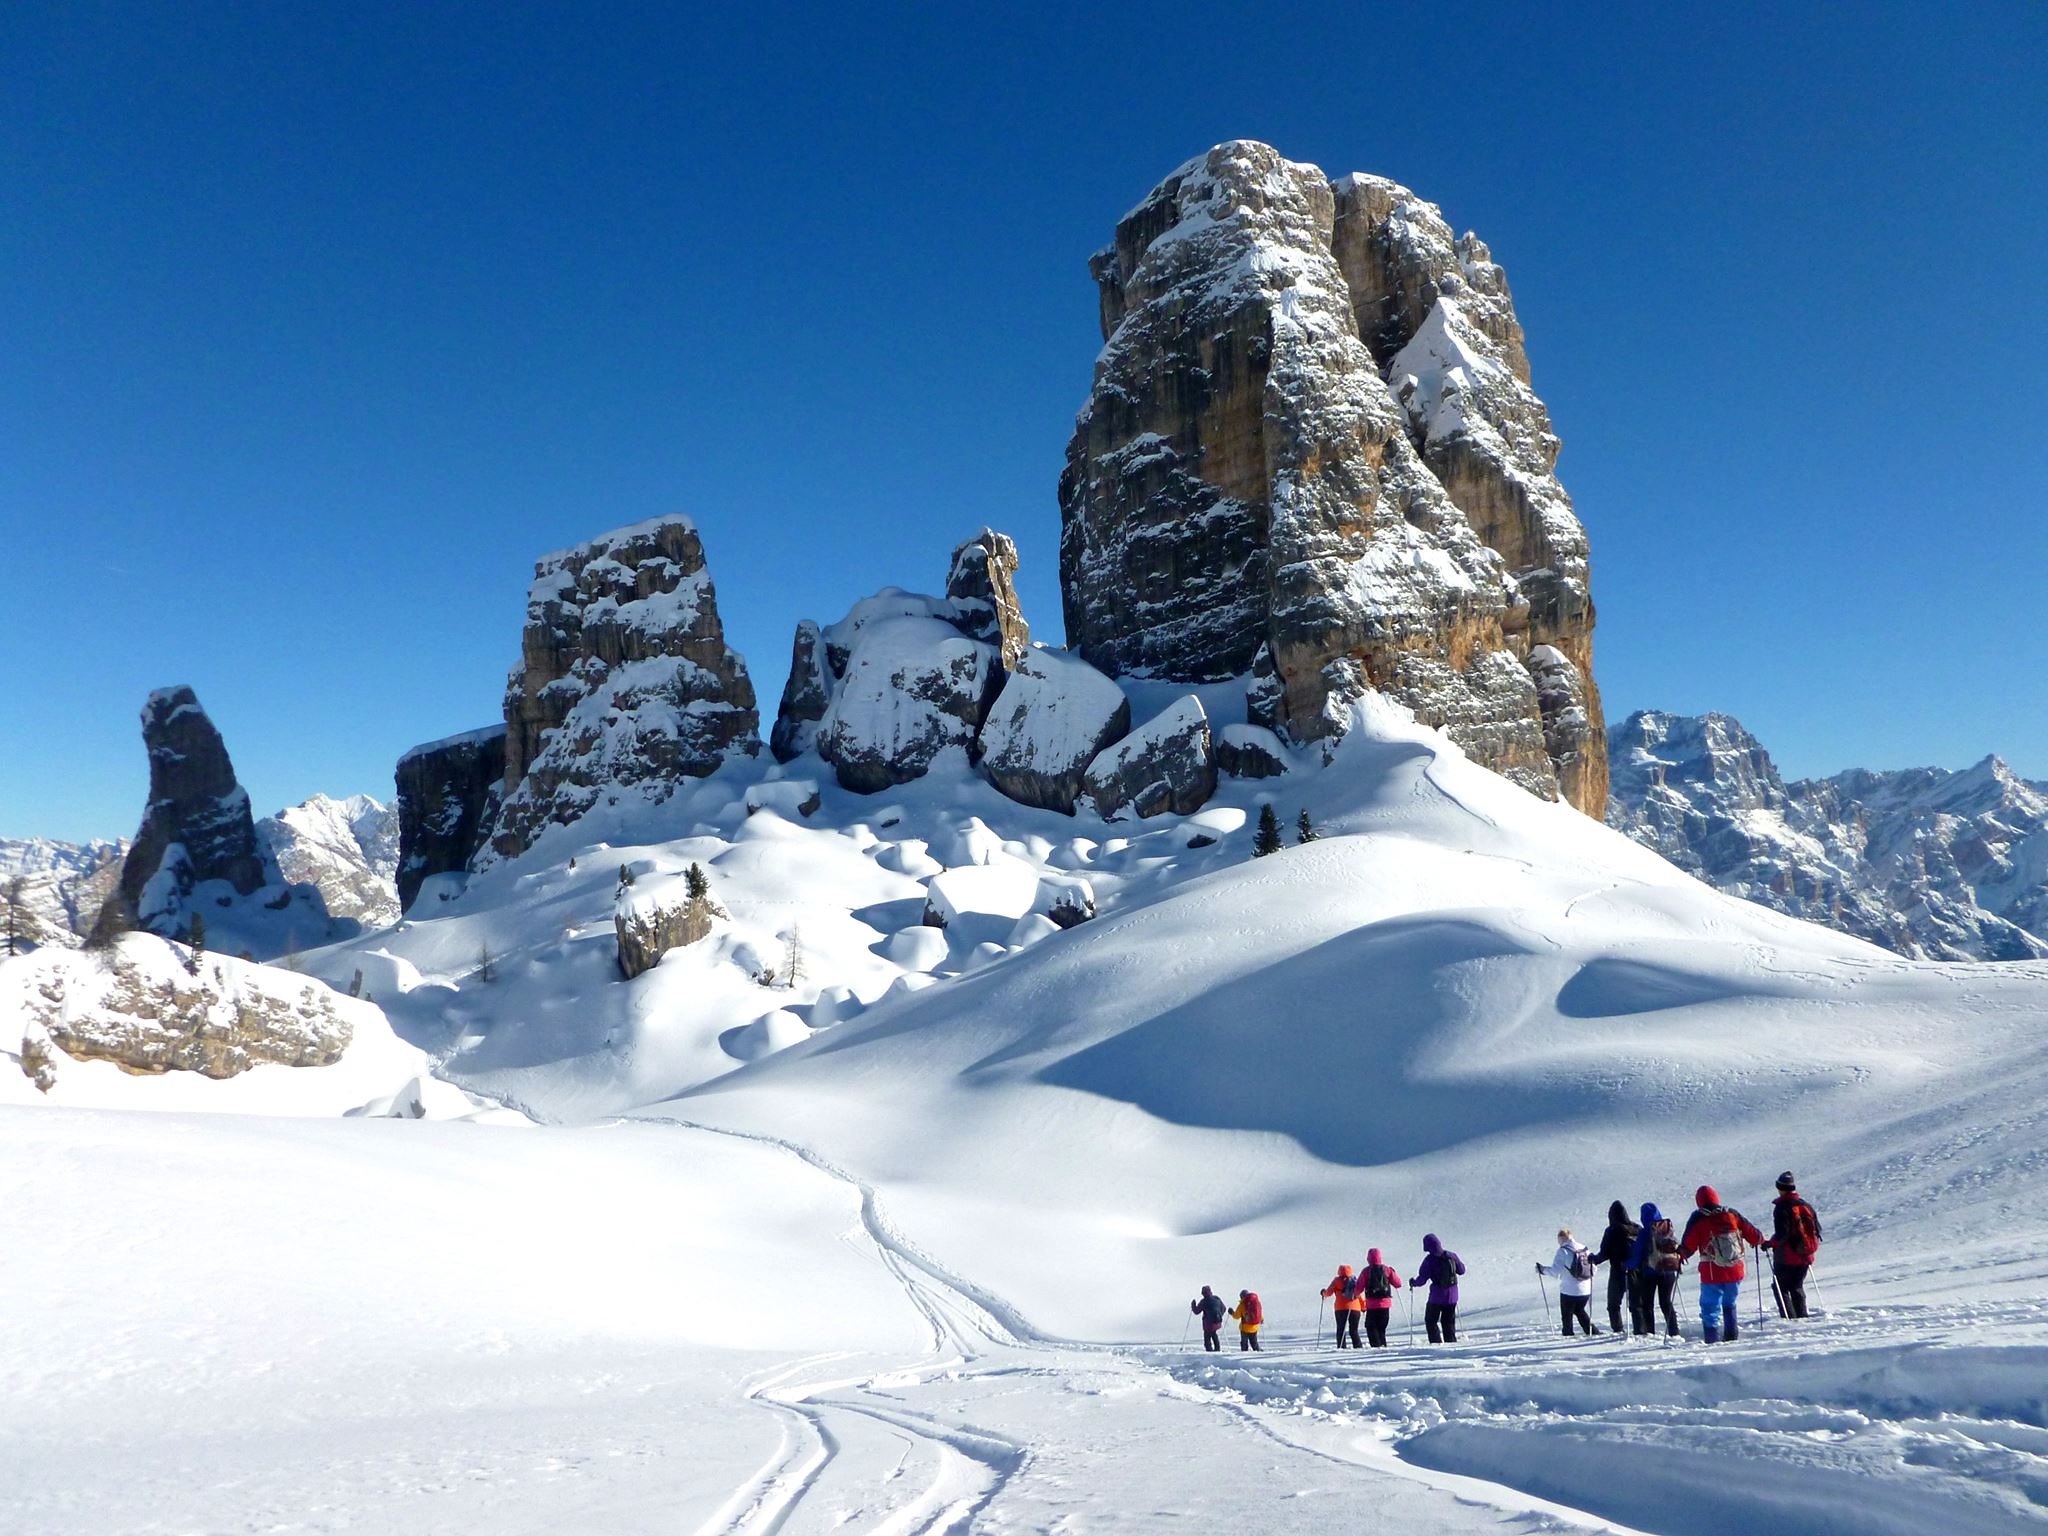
[[921, 948], [1165, 765], [1067, 900], [1004, 887], [789, 798], [1250, 752], [913, 687], [652, 921], [150, 1008], [1054, 715]]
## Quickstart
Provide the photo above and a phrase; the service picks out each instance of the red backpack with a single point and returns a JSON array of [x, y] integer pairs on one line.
[[1254, 1314]]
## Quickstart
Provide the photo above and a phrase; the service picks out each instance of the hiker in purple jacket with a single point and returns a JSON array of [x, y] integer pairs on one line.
[[1440, 1271]]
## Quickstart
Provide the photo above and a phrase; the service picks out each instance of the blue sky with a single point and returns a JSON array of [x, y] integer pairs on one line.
[[318, 325]]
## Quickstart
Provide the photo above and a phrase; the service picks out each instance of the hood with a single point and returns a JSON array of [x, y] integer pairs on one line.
[[1206, 1291], [1373, 1256], [1241, 1295], [1651, 1215], [1343, 1271], [1431, 1245], [1705, 1196], [1617, 1213]]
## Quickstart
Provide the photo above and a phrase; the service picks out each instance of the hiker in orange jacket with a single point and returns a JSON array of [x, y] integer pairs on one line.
[[1250, 1316], [1347, 1305], [1716, 1233]]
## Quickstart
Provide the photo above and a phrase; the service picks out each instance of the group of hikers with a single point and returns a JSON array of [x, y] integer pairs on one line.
[[1644, 1259]]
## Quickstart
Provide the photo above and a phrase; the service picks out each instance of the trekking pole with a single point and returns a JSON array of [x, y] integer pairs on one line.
[[1545, 1291], [1319, 1321], [1757, 1259], [1186, 1328], [1411, 1317]]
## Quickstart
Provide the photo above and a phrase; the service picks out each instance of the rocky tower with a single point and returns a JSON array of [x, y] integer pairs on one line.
[[1244, 493], [196, 827], [624, 679], [448, 793]]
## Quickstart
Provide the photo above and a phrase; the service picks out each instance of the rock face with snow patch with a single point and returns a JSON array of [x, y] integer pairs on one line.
[[1929, 863], [1054, 715], [143, 1010], [625, 680], [804, 696], [448, 794], [196, 827], [347, 848], [1166, 764], [1244, 495], [982, 586]]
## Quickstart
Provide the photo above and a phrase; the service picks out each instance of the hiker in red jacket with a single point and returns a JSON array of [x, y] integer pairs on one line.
[[1794, 1243], [1717, 1234]]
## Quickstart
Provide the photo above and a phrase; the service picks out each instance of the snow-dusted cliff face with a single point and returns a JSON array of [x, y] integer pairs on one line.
[[348, 848], [1925, 861], [1311, 454], [625, 682]]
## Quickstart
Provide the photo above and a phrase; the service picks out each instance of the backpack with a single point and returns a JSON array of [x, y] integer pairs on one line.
[[1254, 1314], [1447, 1269], [1664, 1256], [1805, 1229], [1582, 1264], [1723, 1247], [1373, 1283]]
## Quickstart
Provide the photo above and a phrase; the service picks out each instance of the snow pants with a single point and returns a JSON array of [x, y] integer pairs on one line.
[[1573, 1310], [1792, 1286], [1347, 1328], [1441, 1319], [1618, 1291], [1717, 1309], [1376, 1326], [1650, 1289], [1212, 1338]]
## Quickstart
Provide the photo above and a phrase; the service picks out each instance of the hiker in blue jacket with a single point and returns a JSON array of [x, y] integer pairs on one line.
[[1653, 1266]]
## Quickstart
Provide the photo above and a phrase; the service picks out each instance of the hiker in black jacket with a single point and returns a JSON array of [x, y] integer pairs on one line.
[[1210, 1309], [1615, 1245]]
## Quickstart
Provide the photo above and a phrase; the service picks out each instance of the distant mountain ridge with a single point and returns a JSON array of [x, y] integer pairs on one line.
[[1929, 862]]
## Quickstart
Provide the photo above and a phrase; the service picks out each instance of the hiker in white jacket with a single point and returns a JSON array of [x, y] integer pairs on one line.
[[1573, 1267]]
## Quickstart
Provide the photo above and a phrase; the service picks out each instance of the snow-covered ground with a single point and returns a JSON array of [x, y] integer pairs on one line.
[[927, 1267]]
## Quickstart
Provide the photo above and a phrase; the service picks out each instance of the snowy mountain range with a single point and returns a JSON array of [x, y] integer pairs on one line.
[[1926, 862], [347, 849]]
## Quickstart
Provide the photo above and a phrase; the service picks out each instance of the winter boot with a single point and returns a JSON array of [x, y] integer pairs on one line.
[[1730, 1332], [1710, 1334]]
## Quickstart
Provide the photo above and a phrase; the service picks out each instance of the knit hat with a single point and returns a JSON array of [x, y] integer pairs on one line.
[[1786, 1181]]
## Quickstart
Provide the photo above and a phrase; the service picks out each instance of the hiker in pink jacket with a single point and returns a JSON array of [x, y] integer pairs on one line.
[[1377, 1282]]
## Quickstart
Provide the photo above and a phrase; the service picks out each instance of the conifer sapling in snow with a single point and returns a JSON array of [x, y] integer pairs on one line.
[[1304, 829], [195, 940], [1267, 839], [13, 897]]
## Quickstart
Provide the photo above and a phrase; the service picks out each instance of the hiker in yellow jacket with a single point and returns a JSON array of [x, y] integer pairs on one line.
[[1250, 1315]]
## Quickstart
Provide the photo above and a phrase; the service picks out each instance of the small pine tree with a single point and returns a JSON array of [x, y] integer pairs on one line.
[[625, 874], [485, 970], [195, 941], [355, 983], [1268, 838], [793, 958], [697, 884], [1304, 829]]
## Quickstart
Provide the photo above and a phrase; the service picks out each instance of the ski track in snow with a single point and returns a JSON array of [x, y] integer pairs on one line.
[[831, 1473]]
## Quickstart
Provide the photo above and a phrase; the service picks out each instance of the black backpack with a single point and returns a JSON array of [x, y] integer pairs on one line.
[[1374, 1283]]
